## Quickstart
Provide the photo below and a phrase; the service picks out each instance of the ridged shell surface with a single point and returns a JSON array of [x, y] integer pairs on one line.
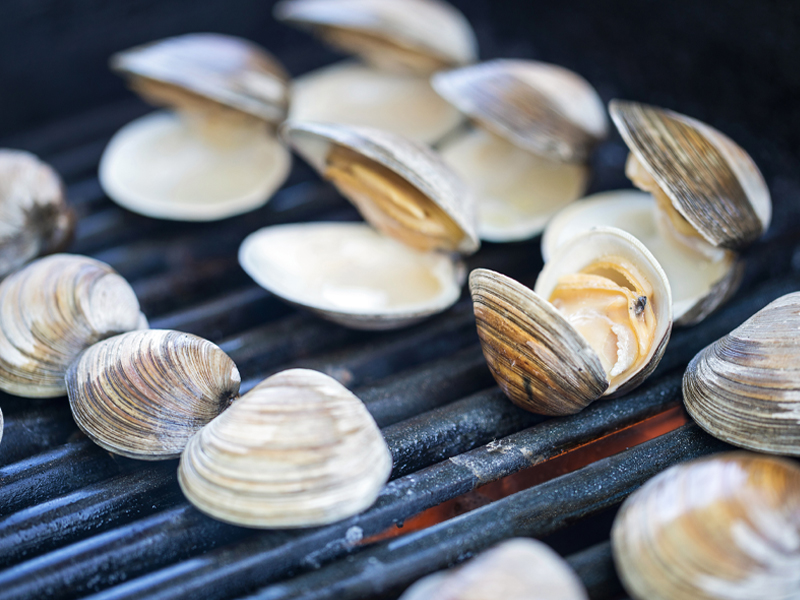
[[52, 310], [143, 394], [298, 450], [745, 387], [726, 527]]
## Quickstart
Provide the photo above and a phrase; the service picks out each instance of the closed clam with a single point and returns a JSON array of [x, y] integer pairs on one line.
[[517, 569], [535, 127], [52, 310], [298, 450], [143, 394], [745, 387], [596, 323], [34, 216], [726, 527], [350, 273], [215, 154]]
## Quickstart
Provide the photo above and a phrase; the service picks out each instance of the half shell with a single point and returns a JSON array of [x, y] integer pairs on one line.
[[298, 450], [725, 527], [412, 35], [745, 387], [52, 310], [709, 184], [143, 394], [517, 569], [608, 335], [34, 216]]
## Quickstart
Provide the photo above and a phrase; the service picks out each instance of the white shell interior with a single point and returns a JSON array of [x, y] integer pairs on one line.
[[356, 94], [691, 274], [517, 192], [349, 268], [172, 166]]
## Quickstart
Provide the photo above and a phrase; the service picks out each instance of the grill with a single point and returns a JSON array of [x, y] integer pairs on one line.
[[470, 469]]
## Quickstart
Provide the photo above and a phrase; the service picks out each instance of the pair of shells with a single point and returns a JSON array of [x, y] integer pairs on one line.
[[34, 216], [596, 323], [705, 200], [517, 569], [719, 528], [401, 271], [215, 153]]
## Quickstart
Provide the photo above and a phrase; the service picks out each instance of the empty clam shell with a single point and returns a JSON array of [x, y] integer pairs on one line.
[[709, 186], [745, 387], [416, 35], [517, 569], [597, 323], [726, 527], [298, 450], [53, 309], [143, 394], [34, 216]]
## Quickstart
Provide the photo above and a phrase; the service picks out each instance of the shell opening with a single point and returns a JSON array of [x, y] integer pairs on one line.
[[609, 304]]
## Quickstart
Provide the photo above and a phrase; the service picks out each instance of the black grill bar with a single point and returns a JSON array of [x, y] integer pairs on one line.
[[595, 567], [33, 431]]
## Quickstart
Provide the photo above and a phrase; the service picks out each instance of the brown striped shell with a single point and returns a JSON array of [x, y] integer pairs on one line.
[[143, 394], [298, 450], [745, 387], [34, 216], [52, 310], [726, 527]]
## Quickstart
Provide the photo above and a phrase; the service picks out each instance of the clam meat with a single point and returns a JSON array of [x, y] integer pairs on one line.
[[725, 527], [597, 323], [298, 450]]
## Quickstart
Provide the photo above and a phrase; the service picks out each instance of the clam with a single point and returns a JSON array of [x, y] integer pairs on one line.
[[215, 154], [517, 569], [53, 309], [349, 272], [722, 527], [597, 323], [298, 450], [745, 388], [34, 216], [535, 127], [143, 394]]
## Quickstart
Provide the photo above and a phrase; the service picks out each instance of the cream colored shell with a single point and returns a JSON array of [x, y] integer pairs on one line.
[[298, 450], [51, 311], [726, 527], [143, 394], [745, 387]]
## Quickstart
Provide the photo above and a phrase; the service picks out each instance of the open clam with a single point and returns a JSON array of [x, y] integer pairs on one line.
[[536, 125], [597, 323], [517, 569], [34, 216], [719, 528], [52, 310], [350, 273], [216, 154], [143, 394], [298, 450], [745, 387]]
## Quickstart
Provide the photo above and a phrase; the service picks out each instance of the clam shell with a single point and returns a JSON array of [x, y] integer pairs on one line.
[[722, 527], [700, 282], [298, 450], [204, 70], [544, 109], [417, 35], [34, 216], [53, 309], [415, 163], [143, 394], [745, 388], [711, 181], [539, 360], [517, 569]]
